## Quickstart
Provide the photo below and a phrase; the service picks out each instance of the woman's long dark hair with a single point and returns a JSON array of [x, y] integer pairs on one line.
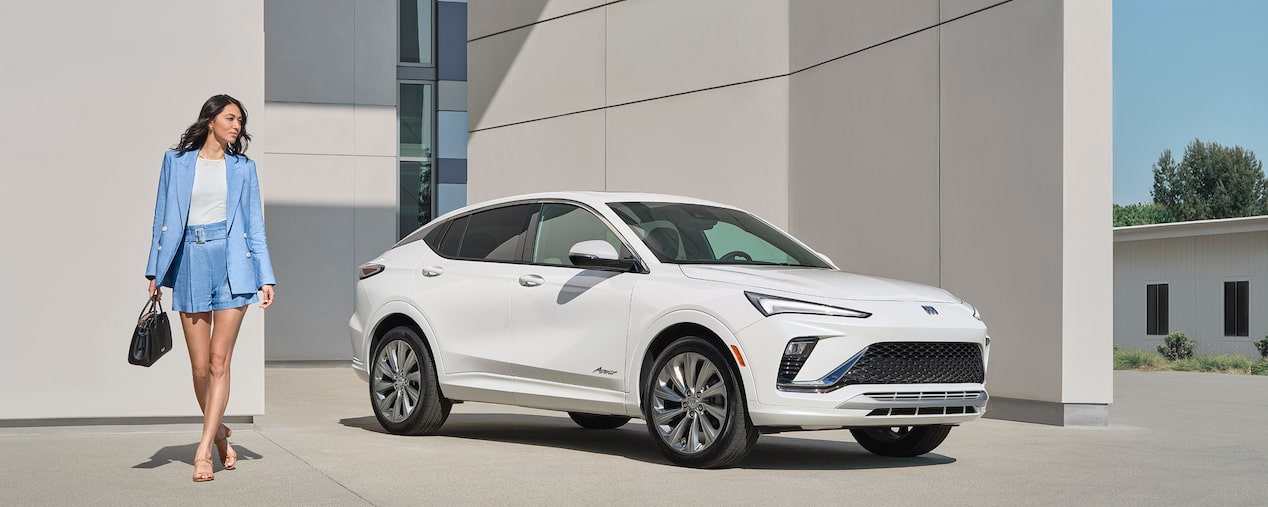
[[196, 134]]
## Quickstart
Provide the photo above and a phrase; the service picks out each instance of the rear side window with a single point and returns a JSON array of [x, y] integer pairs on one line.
[[491, 235], [453, 238]]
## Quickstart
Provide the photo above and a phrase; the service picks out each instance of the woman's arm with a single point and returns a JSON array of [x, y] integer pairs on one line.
[[160, 208]]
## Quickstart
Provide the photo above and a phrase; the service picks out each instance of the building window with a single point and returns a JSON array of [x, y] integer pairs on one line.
[[1157, 307], [1236, 308], [416, 31], [417, 182]]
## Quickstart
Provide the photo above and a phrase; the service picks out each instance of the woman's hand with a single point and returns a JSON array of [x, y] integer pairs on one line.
[[267, 292], [155, 291]]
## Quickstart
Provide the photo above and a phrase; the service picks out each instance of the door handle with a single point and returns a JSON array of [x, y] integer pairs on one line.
[[431, 271], [531, 280]]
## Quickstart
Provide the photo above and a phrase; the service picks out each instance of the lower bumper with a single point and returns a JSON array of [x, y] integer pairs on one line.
[[360, 368]]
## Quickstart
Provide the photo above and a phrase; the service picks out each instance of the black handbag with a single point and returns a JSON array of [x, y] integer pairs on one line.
[[153, 335]]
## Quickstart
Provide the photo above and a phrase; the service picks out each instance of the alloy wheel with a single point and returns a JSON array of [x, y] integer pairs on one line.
[[689, 403], [396, 381]]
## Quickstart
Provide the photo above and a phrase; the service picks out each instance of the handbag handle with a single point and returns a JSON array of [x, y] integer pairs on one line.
[[150, 306]]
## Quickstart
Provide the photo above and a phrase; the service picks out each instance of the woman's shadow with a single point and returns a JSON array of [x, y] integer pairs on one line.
[[185, 454]]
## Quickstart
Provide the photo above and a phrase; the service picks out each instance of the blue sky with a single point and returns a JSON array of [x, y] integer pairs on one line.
[[1186, 69]]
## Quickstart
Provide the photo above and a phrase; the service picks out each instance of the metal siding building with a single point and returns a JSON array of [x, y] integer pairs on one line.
[[1195, 260]]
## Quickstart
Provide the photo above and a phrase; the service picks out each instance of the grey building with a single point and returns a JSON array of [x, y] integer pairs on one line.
[[1205, 279]]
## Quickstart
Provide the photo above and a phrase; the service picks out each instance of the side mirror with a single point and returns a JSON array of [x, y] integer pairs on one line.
[[597, 253]]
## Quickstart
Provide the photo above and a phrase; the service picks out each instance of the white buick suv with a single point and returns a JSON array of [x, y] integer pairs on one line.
[[708, 323]]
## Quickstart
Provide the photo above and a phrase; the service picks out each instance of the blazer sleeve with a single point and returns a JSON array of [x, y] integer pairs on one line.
[[255, 230], [160, 206]]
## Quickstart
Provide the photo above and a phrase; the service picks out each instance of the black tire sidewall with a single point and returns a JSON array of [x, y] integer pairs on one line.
[[730, 446], [429, 398]]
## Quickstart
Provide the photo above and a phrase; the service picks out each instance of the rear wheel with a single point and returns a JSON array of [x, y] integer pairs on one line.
[[404, 391], [901, 441], [598, 422], [694, 406]]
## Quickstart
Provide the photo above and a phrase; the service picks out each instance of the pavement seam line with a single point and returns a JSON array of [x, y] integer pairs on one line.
[[265, 436]]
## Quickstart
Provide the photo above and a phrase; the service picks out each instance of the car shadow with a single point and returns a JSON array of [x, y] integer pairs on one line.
[[185, 454], [772, 452]]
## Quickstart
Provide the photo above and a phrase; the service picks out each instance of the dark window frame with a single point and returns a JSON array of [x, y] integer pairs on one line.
[[1237, 308], [1157, 309]]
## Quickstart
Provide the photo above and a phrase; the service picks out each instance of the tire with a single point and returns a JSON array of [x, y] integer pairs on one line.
[[901, 441], [404, 392], [694, 406], [598, 422]]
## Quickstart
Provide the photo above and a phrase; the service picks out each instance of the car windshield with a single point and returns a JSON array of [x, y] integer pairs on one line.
[[697, 234]]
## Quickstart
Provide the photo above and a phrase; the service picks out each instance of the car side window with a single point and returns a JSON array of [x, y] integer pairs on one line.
[[563, 225], [494, 235], [453, 238]]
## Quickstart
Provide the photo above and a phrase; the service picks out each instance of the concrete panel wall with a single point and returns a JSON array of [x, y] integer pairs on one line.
[[863, 151], [661, 47], [728, 145], [821, 30], [1087, 156], [491, 16], [80, 171], [542, 70], [1001, 174], [565, 153]]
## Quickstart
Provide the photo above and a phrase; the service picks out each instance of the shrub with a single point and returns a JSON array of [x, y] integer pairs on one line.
[[1177, 346], [1260, 368], [1136, 359], [1262, 345]]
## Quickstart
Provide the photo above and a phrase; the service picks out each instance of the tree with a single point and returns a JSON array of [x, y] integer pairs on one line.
[[1210, 181], [1139, 214]]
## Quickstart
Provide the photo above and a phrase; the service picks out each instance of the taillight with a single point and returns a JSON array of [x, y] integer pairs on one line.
[[369, 270]]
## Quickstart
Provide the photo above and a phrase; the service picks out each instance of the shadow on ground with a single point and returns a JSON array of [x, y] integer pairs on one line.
[[185, 454], [772, 452]]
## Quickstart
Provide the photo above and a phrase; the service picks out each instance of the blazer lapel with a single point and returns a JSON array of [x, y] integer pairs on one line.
[[185, 183], [233, 172]]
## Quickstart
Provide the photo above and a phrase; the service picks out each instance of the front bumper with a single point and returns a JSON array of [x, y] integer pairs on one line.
[[863, 404]]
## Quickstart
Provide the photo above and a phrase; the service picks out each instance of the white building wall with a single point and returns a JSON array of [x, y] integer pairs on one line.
[[93, 99]]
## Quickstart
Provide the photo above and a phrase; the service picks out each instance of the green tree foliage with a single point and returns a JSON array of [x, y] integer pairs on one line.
[[1210, 181], [1139, 214]]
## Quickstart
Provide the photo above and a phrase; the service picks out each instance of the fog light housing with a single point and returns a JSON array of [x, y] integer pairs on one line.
[[795, 354]]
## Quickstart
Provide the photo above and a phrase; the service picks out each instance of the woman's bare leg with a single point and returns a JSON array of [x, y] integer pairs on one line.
[[224, 334], [197, 327]]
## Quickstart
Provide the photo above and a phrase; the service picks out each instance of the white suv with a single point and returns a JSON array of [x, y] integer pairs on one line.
[[705, 321]]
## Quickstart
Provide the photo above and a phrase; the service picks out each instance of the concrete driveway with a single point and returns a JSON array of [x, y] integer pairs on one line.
[[1175, 439]]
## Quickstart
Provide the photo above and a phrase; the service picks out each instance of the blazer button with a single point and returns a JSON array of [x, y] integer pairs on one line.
[[160, 248], [248, 255], [244, 235], [164, 228]]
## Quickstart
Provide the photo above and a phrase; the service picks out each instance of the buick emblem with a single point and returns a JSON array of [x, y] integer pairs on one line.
[[930, 310]]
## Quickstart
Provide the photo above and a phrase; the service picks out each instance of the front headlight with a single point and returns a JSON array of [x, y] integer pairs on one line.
[[772, 305]]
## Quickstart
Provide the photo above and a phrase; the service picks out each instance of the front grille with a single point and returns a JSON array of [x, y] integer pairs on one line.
[[925, 396], [922, 411], [918, 363]]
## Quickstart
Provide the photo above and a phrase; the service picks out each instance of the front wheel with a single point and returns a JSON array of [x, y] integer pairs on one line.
[[694, 407], [901, 441], [404, 391]]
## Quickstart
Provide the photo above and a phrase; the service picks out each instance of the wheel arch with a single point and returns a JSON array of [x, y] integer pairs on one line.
[[395, 314], [684, 323]]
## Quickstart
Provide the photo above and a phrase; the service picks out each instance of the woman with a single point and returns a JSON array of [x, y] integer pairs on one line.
[[209, 247]]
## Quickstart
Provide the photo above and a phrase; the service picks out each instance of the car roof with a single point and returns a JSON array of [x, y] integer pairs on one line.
[[592, 198]]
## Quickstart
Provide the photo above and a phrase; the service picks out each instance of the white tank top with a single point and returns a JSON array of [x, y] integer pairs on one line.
[[211, 190]]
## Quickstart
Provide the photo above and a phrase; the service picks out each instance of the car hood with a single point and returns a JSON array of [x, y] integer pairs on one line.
[[826, 283]]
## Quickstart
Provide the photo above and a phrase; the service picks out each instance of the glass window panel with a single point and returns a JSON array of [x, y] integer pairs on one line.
[[416, 31], [564, 225], [496, 234], [416, 198], [416, 120]]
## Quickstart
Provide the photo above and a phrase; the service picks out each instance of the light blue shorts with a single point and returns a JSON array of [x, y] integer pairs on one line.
[[202, 272]]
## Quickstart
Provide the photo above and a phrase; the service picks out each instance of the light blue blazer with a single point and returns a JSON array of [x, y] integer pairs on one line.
[[248, 250]]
